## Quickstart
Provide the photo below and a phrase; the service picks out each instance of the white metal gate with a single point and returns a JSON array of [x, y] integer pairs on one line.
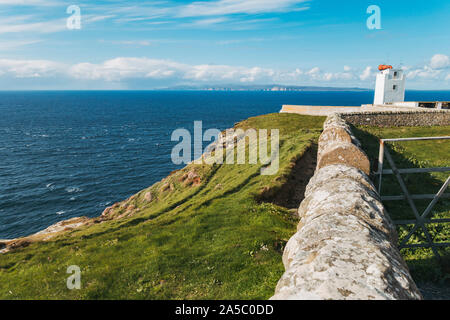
[[421, 219]]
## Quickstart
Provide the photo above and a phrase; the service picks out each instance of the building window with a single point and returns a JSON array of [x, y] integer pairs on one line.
[[395, 74], [394, 87]]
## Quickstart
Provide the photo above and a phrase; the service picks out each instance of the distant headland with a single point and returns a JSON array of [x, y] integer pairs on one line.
[[270, 87]]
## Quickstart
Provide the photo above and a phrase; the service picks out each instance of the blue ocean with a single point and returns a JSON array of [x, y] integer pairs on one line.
[[68, 154]]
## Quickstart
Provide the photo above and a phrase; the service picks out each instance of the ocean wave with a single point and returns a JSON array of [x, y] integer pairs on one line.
[[50, 186], [104, 204], [73, 189]]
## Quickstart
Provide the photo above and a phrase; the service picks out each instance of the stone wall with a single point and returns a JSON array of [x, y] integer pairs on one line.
[[345, 246], [400, 118]]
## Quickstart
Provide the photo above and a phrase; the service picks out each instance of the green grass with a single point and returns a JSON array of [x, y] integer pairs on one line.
[[416, 154], [211, 240]]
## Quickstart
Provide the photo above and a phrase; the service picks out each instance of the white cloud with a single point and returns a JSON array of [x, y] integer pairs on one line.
[[367, 74], [314, 72], [158, 72], [222, 73], [207, 22], [119, 69], [434, 70], [209, 13], [126, 68], [439, 61], [14, 44], [339, 76], [135, 43], [225, 7], [94, 18], [426, 73], [328, 76], [123, 69], [35, 27], [30, 68], [27, 2]]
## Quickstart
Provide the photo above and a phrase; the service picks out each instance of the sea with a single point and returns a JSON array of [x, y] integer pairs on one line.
[[66, 154]]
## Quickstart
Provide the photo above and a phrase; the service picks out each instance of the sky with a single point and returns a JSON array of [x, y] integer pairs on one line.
[[159, 44]]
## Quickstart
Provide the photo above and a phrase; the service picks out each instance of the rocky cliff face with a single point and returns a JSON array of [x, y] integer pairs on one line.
[[345, 247], [186, 178]]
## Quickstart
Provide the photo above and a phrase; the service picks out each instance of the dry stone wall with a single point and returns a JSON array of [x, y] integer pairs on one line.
[[345, 246], [400, 118]]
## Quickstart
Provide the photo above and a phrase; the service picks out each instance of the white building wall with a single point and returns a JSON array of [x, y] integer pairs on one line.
[[390, 87]]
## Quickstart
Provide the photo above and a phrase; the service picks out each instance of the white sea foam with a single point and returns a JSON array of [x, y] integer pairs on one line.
[[73, 189], [50, 186]]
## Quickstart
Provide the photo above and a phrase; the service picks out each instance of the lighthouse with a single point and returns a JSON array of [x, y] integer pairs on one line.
[[390, 86]]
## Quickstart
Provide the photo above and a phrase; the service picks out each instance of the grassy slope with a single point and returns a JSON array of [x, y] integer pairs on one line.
[[419, 154], [207, 241]]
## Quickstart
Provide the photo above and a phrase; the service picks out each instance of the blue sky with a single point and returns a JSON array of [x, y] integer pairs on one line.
[[153, 44]]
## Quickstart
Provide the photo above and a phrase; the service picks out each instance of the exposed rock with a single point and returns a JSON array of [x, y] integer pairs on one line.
[[131, 207], [192, 175], [44, 235], [64, 225], [109, 210], [191, 178], [165, 187], [148, 196], [20, 243]]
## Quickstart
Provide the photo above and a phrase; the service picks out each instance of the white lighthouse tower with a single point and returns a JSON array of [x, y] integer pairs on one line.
[[390, 86]]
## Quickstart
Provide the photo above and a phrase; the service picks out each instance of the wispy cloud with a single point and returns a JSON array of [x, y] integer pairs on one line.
[[34, 27], [235, 14], [134, 43], [14, 44], [207, 22], [29, 2], [226, 7]]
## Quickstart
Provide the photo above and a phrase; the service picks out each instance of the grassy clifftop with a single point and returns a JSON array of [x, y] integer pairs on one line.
[[204, 232], [416, 154]]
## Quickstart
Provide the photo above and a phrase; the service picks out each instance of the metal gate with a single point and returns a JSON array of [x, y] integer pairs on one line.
[[421, 219]]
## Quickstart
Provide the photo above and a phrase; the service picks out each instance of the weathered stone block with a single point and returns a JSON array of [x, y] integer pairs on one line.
[[343, 153], [331, 135], [337, 171]]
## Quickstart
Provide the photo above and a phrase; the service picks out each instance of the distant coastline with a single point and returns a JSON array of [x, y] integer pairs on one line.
[[223, 89], [271, 87]]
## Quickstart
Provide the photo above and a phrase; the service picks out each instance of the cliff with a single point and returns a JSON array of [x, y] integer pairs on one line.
[[204, 232]]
